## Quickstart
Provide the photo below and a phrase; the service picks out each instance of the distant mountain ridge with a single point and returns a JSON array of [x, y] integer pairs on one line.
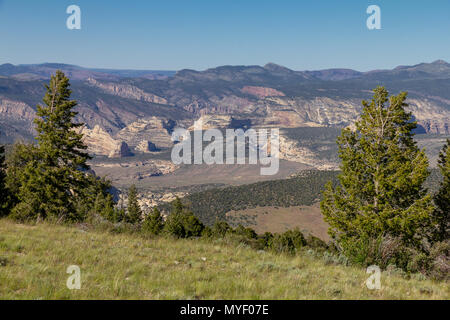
[[141, 107], [438, 69], [44, 70]]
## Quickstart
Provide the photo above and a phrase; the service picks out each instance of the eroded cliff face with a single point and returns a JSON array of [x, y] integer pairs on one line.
[[16, 110], [430, 116], [16, 120], [101, 143], [155, 130], [291, 150], [126, 113], [126, 91], [146, 146], [120, 150], [103, 135], [225, 104], [148, 200], [144, 135], [209, 121], [154, 133]]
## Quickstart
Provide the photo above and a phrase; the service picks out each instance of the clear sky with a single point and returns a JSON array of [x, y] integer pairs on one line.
[[197, 34]]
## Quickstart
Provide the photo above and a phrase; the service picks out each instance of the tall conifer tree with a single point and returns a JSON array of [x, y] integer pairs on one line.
[[383, 170], [154, 222], [134, 212], [3, 190], [54, 177], [442, 199]]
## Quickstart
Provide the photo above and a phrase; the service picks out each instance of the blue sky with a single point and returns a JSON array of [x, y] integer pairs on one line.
[[197, 34]]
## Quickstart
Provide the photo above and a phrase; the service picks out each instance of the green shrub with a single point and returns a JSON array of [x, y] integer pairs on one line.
[[289, 242], [246, 232], [316, 243], [192, 225], [104, 206], [220, 229], [392, 269], [419, 262], [207, 232], [124, 227], [266, 240], [182, 223], [382, 251], [440, 261], [332, 258]]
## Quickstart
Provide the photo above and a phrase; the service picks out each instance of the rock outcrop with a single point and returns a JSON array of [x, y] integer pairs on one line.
[[101, 143], [211, 121], [133, 110], [16, 110], [146, 146], [430, 118], [155, 129], [291, 151], [16, 121], [120, 150]]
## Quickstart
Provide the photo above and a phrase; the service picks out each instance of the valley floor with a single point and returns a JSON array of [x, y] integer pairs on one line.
[[34, 260], [308, 219]]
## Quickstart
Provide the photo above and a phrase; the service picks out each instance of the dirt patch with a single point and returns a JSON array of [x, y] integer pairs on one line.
[[308, 219]]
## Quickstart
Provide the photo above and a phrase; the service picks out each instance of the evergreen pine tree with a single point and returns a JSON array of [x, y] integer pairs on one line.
[[177, 206], [182, 223], [383, 170], [3, 190], [104, 206], [175, 222], [54, 176], [16, 162], [174, 225], [193, 227], [442, 198], [134, 213], [153, 223]]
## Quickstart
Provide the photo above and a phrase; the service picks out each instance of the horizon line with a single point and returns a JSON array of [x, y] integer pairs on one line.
[[218, 66]]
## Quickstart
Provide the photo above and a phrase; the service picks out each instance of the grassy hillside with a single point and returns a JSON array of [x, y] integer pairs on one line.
[[34, 259]]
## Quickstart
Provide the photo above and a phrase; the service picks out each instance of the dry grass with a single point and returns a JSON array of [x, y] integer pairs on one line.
[[308, 219], [33, 262]]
